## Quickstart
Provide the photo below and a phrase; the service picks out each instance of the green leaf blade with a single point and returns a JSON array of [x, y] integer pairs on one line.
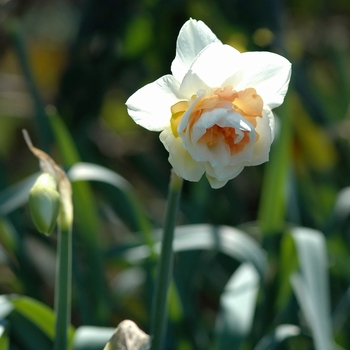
[[237, 305], [311, 284]]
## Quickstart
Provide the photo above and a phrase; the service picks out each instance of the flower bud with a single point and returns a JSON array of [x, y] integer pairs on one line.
[[44, 203]]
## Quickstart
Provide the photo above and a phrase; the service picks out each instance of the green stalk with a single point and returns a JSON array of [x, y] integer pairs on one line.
[[165, 265], [63, 288]]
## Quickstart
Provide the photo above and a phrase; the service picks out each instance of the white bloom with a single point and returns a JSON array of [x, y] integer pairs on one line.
[[214, 111]]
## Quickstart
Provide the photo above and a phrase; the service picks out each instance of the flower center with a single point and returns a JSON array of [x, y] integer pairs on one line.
[[235, 141], [246, 102]]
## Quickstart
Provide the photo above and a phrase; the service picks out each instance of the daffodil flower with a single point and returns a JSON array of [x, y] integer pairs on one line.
[[215, 110]]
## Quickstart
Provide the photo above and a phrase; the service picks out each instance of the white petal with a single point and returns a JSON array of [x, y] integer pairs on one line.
[[181, 161], [185, 118], [150, 105], [268, 73], [217, 156], [235, 120], [194, 36], [225, 174], [262, 146], [272, 122], [215, 183], [246, 155], [207, 120], [191, 84], [216, 64]]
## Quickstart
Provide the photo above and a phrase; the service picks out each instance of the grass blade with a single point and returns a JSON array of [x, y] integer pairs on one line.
[[237, 305], [17, 195], [27, 315], [128, 202], [311, 285], [224, 239], [278, 336], [91, 338], [4, 340]]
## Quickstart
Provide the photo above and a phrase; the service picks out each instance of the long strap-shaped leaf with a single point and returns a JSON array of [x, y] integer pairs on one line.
[[4, 339], [34, 311], [311, 285], [225, 239], [237, 306], [274, 339], [17, 195]]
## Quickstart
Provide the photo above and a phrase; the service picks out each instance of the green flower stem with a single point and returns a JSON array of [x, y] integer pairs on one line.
[[63, 288], [165, 265]]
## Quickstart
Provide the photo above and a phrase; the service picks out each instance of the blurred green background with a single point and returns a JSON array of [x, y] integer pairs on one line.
[[66, 70]]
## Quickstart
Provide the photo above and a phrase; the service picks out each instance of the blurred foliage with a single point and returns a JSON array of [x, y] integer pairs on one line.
[[66, 70]]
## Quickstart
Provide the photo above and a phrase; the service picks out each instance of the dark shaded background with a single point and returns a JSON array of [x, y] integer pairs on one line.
[[87, 57]]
